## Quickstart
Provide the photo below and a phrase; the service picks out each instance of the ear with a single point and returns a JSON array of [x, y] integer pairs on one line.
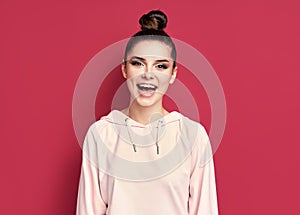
[[173, 77], [123, 67]]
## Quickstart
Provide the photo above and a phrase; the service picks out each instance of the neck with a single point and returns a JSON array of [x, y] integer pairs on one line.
[[145, 115]]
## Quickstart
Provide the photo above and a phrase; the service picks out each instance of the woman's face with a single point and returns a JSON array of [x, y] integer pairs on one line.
[[149, 71]]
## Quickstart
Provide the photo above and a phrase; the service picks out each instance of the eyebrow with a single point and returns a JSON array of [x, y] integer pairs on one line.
[[139, 58], [143, 59]]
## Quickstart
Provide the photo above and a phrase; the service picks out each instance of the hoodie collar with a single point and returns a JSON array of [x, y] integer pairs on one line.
[[138, 134]]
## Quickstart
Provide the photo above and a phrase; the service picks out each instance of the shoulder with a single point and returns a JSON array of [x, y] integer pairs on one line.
[[193, 128], [114, 117], [197, 135]]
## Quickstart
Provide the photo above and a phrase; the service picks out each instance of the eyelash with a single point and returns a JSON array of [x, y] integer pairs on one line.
[[160, 66], [136, 63]]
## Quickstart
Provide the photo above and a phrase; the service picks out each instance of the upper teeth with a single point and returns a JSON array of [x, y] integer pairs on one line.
[[147, 86]]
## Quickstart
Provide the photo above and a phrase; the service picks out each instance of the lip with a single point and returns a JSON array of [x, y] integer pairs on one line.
[[145, 85], [146, 89]]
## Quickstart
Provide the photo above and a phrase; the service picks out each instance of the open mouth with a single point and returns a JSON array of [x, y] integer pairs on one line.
[[146, 87], [146, 90]]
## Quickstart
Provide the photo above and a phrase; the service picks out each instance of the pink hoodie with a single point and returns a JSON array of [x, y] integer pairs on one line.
[[163, 168]]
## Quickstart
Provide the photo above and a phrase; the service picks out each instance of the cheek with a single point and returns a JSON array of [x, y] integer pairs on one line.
[[163, 78], [132, 76], [129, 73], [131, 81], [132, 88], [163, 82], [133, 73]]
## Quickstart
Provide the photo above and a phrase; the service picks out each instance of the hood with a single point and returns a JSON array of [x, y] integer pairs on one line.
[[141, 135], [123, 148]]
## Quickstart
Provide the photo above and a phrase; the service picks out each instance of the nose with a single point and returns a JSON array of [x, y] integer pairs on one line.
[[148, 74]]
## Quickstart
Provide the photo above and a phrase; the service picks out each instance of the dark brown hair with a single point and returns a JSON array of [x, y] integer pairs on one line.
[[152, 28]]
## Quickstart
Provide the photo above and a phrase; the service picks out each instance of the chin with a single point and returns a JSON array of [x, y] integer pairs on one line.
[[147, 102]]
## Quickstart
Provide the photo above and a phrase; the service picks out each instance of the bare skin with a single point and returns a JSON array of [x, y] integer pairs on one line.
[[149, 72]]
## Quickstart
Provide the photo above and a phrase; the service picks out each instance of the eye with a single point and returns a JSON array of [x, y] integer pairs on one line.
[[136, 63], [162, 66]]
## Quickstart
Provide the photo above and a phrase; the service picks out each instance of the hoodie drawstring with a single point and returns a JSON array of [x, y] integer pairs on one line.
[[157, 127], [133, 144]]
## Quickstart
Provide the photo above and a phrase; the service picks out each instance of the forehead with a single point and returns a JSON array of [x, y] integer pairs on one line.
[[150, 48]]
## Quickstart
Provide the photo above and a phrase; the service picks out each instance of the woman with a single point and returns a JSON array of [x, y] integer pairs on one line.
[[145, 160]]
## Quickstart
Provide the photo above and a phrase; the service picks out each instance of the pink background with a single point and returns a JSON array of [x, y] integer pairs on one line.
[[252, 45]]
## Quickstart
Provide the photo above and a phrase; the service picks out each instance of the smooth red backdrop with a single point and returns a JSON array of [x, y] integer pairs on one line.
[[253, 46]]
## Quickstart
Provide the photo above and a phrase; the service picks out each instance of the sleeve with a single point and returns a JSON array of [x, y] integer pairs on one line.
[[89, 199], [202, 190]]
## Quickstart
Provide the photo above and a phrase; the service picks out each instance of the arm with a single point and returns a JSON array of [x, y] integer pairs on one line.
[[203, 196], [89, 200]]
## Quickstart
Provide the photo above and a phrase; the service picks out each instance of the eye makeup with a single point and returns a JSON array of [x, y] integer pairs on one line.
[[137, 61]]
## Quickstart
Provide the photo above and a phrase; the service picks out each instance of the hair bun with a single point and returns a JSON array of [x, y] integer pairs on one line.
[[155, 19]]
